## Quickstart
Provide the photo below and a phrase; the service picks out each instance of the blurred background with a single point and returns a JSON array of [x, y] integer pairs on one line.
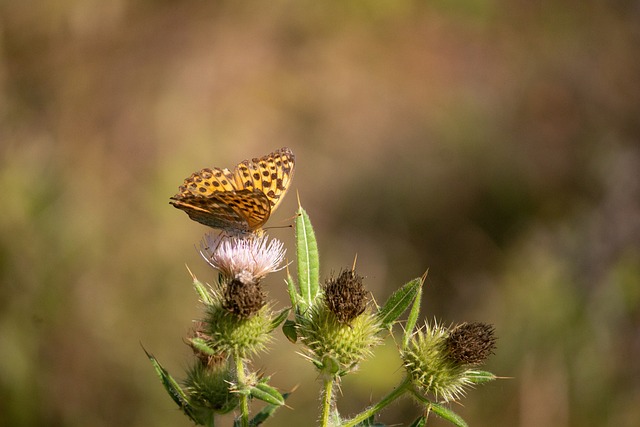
[[495, 143]]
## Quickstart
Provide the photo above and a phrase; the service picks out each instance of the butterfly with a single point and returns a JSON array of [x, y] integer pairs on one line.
[[238, 201]]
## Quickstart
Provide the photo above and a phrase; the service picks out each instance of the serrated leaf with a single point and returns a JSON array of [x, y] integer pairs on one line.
[[174, 390], [398, 302], [307, 257], [290, 331], [448, 414], [276, 321]]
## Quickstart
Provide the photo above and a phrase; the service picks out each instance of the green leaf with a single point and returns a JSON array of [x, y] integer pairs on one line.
[[479, 377], [174, 390], [201, 289], [398, 302], [412, 319], [290, 331], [419, 422], [308, 258], [266, 393], [264, 414], [202, 345], [293, 293], [370, 422], [276, 321], [448, 414]]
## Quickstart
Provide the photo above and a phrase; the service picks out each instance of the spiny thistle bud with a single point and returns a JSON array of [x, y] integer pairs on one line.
[[228, 332], [337, 333], [208, 387], [243, 299], [471, 343], [345, 296], [439, 364]]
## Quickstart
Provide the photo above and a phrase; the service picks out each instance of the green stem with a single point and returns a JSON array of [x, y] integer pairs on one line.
[[402, 388], [326, 400], [244, 400]]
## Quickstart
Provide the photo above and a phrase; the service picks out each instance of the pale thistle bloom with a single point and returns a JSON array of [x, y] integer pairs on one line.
[[247, 259]]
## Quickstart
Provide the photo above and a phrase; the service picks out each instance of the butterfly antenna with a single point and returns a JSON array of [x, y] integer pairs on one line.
[[278, 226]]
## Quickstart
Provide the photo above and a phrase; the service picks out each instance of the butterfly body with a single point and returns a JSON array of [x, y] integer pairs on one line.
[[241, 200]]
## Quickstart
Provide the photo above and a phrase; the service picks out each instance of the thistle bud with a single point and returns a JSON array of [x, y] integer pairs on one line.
[[338, 331], [208, 387], [345, 296], [243, 299], [471, 343], [439, 359]]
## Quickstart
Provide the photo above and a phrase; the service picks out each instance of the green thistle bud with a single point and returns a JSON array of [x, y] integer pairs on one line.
[[438, 359], [228, 332], [339, 334], [208, 387]]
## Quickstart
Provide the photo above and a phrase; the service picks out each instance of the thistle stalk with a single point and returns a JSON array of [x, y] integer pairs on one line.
[[327, 399], [401, 389], [244, 400]]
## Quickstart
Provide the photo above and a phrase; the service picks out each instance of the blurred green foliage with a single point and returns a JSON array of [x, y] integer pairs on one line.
[[495, 143]]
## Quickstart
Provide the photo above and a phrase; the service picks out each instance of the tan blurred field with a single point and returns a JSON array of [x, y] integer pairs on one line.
[[495, 143]]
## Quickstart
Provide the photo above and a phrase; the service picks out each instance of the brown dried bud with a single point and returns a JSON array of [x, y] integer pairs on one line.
[[243, 299], [345, 296], [471, 343]]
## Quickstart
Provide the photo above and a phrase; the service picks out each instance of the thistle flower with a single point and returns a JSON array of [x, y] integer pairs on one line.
[[247, 259], [439, 359]]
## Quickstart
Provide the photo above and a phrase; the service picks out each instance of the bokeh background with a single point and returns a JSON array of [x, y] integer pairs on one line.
[[495, 143]]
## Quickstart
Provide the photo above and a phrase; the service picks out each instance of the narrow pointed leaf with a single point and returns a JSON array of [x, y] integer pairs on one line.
[[307, 257], [479, 377], [264, 414], [202, 346], [202, 290], [294, 296], [448, 414], [268, 394], [398, 302], [412, 319], [174, 390]]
